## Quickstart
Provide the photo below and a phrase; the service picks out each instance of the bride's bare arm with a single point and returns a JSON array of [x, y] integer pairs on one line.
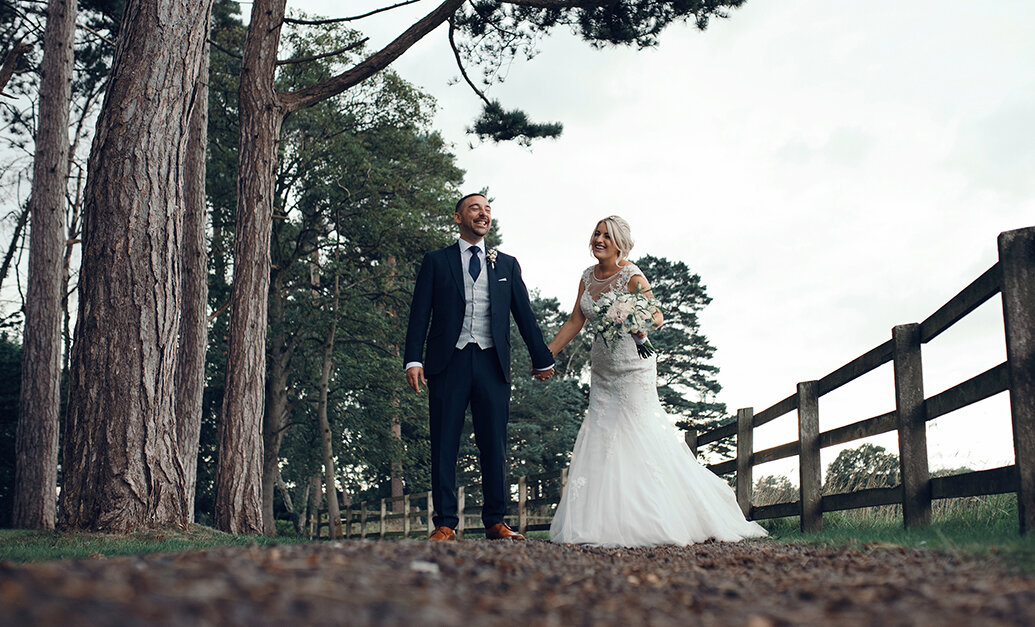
[[571, 327], [639, 284]]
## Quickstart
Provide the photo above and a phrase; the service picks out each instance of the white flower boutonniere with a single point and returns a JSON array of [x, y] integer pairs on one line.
[[491, 256]]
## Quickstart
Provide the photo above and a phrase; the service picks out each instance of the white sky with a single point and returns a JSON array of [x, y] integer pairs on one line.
[[830, 169]]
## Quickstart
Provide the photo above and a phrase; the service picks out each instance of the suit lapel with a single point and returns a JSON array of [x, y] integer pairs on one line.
[[455, 268], [491, 280]]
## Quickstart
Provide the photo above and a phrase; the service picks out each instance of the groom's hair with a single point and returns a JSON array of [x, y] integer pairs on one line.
[[460, 203]]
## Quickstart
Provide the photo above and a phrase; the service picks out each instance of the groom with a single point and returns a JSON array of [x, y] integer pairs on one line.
[[468, 294]]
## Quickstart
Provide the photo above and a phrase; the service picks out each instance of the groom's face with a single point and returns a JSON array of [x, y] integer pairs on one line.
[[474, 218]]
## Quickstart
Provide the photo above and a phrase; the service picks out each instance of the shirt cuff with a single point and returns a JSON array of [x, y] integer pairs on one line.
[[640, 340], [412, 364], [550, 367]]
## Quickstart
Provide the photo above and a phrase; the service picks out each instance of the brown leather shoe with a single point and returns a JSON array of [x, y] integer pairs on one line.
[[443, 534], [500, 531]]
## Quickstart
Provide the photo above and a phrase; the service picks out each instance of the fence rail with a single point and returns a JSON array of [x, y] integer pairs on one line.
[[1013, 276]]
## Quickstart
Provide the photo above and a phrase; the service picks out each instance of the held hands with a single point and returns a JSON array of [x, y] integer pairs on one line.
[[415, 377], [541, 375]]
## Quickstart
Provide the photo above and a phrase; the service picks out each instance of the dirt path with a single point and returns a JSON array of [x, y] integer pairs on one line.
[[518, 583]]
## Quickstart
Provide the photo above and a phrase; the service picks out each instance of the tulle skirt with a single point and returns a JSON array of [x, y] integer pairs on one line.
[[633, 481]]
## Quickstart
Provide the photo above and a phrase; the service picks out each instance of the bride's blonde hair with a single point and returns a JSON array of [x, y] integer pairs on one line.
[[621, 235]]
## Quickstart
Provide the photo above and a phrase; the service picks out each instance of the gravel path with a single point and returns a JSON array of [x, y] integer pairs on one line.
[[757, 583]]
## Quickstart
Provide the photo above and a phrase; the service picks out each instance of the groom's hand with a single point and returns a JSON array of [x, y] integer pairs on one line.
[[415, 377], [542, 375]]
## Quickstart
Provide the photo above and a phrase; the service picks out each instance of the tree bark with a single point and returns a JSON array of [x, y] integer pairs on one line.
[[120, 457], [396, 469], [315, 494], [239, 476], [302, 513], [36, 446], [276, 405], [190, 373], [285, 494], [333, 513]]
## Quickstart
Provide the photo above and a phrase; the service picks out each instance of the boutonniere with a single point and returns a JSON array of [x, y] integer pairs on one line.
[[491, 256]]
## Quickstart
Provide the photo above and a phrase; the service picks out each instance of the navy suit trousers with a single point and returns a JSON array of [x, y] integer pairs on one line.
[[472, 377]]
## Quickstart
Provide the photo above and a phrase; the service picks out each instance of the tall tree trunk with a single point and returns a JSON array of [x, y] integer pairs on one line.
[[333, 513], [36, 442], [120, 462], [285, 493], [276, 405], [302, 513], [315, 494], [396, 469], [262, 111], [239, 475], [190, 372]]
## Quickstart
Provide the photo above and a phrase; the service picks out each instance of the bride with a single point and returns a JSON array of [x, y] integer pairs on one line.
[[632, 479]]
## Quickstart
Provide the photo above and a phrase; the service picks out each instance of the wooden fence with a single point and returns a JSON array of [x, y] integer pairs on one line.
[[1013, 276], [537, 496]]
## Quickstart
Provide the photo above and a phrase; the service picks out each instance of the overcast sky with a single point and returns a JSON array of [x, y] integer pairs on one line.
[[830, 169]]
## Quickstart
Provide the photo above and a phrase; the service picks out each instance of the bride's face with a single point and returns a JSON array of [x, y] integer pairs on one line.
[[603, 248]]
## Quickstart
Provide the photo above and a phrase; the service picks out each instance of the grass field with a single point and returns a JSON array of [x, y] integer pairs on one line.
[[968, 527], [980, 526], [19, 545]]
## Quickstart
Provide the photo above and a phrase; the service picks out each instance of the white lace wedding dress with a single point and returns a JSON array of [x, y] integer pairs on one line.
[[633, 481]]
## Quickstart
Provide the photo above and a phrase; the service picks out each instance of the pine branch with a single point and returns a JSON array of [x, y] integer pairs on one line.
[[333, 53], [337, 20], [460, 63], [10, 61], [561, 4], [294, 101], [225, 51]]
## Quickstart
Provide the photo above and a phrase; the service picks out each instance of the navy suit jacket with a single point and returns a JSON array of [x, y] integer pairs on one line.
[[438, 297]]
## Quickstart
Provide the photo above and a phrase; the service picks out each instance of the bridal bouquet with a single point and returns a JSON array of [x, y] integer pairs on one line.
[[619, 312]]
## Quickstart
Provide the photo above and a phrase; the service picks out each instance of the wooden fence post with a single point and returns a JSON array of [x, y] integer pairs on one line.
[[691, 440], [431, 510], [460, 506], [522, 501], [745, 446], [912, 426], [348, 522], [809, 471], [1017, 264], [363, 521], [383, 521]]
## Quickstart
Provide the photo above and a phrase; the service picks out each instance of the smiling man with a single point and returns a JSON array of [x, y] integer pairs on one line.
[[467, 294]]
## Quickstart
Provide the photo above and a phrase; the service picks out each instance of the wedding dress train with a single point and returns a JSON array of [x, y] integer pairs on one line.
[[633, 481]]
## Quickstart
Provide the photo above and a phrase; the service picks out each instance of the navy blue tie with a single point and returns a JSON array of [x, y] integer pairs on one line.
[[475, 267]]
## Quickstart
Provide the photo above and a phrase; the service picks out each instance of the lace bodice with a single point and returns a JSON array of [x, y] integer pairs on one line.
[[594, 287]]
